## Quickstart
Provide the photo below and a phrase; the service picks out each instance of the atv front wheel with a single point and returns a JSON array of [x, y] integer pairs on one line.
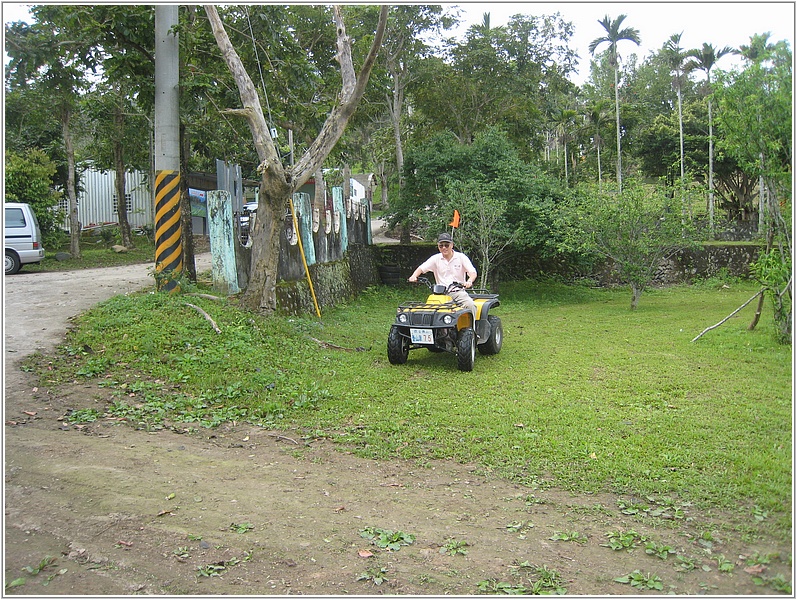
[[466, 349], [496, 339], [398, 347]]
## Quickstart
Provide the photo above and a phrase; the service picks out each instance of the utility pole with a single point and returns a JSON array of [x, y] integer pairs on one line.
[[168, 246]]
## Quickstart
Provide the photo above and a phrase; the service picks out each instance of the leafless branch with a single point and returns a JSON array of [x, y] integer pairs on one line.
[[707, 329], [206, 315]]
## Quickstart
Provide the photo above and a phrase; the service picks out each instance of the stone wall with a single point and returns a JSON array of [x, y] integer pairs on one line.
[[392, 264], [709, 260]]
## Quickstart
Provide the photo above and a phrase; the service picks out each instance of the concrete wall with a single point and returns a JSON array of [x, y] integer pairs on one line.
[[333, 282], [336, 245]]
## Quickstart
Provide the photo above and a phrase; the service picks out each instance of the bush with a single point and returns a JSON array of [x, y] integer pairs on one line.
[[29, 179]]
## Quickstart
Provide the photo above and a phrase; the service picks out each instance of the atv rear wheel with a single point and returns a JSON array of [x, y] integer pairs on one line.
[[398, 347], [496, 338], [466, 349]]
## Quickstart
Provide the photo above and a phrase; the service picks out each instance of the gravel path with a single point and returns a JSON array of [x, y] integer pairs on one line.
[[37, 306]]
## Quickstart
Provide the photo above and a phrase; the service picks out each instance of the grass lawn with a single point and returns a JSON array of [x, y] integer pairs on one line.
[[95, 252], [585, 394]]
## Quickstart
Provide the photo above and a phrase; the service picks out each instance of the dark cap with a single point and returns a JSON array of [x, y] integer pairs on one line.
[[444, 237]]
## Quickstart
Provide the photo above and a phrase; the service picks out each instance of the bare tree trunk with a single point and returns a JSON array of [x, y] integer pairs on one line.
[[383, 192], [710, 170], [395, 119], [277, 184], [600, 176], [119, 167], [74, 222], [617, 115], [636, 294], [760, 307], [405, 238]]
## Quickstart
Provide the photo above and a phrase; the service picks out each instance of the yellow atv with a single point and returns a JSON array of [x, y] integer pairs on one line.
[[442, 325]]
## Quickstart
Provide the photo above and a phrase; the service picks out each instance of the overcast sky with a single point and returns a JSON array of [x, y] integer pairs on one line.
[[717, 23]]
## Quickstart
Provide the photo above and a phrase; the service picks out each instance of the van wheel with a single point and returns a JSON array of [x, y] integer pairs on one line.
[[12, 263]]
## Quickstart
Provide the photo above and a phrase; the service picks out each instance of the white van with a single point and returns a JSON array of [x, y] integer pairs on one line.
[[23, 238]]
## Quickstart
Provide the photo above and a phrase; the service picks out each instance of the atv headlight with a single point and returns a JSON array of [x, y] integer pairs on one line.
[[447, 319], [402, 317]]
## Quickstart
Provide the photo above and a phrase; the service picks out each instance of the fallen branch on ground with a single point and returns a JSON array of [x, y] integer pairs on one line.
[[707, 329], [206, 296], [206, 315], [283, 437], [335, 346]]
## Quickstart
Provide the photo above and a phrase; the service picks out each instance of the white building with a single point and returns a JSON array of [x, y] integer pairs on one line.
[[97, 202]]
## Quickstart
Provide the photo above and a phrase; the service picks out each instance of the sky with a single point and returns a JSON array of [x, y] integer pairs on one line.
[[717, 23]]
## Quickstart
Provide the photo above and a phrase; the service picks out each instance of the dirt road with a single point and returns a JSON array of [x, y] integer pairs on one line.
[[105, 509], [37, 306]]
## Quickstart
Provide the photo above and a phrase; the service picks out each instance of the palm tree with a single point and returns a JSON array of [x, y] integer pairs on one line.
[[674, 57], [704, 59], [596, 117], [563, 121], [758, 51], [614, 35], [759, 48]]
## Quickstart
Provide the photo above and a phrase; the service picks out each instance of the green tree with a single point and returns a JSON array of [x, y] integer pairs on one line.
[[402, 49], [596, 118], [755, 119], [564, 123], [504, 202], [126, 36], [636, 230], [754, 115], [757, 52], [773, 269], [675, 56], [614, 35], [484, 228], [509, 76], [116, 142], [29, 179], [29, 123], [657, 143], [55, 58], [704, 59]]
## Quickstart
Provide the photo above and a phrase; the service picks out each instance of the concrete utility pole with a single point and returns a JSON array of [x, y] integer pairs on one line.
[[168, 247]]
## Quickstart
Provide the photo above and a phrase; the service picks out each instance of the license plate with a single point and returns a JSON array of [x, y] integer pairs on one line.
[[422, 336]]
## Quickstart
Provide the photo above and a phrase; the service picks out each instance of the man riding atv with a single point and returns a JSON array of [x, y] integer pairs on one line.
[[449, 267], [451, 319]]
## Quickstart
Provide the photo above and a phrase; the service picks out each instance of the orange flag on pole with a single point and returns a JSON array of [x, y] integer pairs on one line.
[[455, 222]]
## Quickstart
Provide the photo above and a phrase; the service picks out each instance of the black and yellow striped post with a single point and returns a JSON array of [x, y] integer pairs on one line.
[[168, 243]]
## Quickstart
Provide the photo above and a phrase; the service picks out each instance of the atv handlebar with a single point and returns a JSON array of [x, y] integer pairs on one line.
[[456, 285]]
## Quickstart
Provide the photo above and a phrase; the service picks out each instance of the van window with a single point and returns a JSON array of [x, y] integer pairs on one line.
[[15, 218]]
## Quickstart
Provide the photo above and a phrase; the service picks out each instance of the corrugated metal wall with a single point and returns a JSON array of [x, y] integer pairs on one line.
[[96, 201]]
